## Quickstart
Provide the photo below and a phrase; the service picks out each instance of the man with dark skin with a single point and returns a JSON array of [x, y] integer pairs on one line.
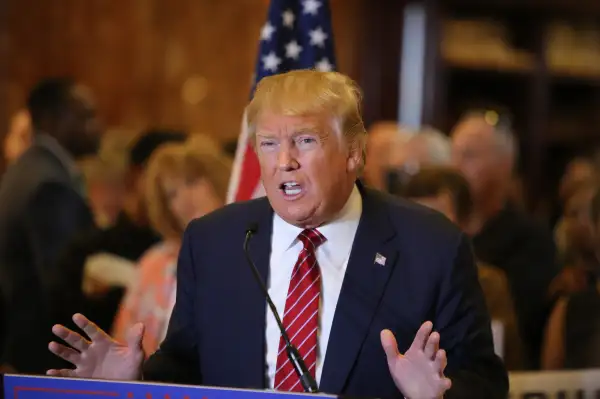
[[42, 208]]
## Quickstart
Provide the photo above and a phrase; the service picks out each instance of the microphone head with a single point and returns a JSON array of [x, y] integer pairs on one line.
[[252, 228]]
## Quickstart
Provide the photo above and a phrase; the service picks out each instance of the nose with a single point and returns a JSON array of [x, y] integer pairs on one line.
[[286, 161]]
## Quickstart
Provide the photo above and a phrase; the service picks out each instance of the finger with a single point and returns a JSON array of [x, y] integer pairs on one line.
[[90, 328], [64, 352], [135, 336], [71, 337], [390, 346], [421, 336], [61, 373], [432, 346], [441, 361], [446, 383]]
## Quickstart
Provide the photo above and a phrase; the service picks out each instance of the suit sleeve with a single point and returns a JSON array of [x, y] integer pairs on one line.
[[464, 325], [176, 361], [54, 217]]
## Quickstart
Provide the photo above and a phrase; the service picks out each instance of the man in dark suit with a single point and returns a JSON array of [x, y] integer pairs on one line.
[[484, 149], [359, 278], [41, 209]]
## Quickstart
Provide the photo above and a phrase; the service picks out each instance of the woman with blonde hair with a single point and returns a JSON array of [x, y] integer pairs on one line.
[[184, 182]]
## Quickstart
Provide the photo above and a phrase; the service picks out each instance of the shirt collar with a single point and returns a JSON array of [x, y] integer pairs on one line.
[[339, 232]]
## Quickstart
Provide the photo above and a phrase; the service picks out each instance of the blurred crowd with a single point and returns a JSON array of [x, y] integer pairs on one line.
[[91, 223]]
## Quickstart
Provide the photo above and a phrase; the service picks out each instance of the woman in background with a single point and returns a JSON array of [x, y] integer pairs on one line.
[[572, 339], [184, 182]]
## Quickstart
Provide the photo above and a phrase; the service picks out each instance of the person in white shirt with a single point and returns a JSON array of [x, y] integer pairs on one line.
[[359, 278]]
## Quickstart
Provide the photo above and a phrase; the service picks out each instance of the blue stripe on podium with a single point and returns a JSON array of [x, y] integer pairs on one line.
[[39, 387]]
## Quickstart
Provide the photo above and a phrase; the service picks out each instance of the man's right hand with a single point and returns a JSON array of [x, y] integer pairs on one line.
[[101, 357]]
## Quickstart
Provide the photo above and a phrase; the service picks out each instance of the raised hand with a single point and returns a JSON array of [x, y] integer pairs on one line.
[[102, 357], [419, 373]]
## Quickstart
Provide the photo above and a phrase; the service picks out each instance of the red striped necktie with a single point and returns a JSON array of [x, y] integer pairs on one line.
[[301, 316]]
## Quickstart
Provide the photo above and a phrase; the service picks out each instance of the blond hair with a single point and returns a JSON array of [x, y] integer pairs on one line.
[[306, 92], [199, 157]]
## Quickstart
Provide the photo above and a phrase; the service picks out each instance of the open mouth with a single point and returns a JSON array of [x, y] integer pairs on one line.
[[291, 189]]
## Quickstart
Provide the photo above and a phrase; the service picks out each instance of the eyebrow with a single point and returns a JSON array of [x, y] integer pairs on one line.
[[265, 135], [306, 129]]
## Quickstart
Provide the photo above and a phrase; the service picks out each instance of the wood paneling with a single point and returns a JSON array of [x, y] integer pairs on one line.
[[380, 61], [177, 63]]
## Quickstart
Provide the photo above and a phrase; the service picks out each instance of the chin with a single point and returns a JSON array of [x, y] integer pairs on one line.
[[292, 214]]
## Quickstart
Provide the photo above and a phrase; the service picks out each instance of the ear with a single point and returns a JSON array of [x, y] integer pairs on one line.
[[355, 155]]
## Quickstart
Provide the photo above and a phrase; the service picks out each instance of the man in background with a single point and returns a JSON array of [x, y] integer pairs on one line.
[[485, 149], [384, 137], [394, 153], [41, 209], [447, 191]]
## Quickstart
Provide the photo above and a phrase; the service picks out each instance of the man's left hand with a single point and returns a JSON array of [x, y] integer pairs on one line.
[[419, 373]]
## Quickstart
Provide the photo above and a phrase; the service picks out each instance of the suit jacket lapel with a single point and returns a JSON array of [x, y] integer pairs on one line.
[[370, 265], [259, 247]]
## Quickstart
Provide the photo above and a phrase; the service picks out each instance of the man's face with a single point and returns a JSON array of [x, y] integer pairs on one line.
[[474, 154], [307, 169], [79, 127], [383, 139]]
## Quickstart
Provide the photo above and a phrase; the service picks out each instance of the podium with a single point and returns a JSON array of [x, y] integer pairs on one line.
[[41, 387]]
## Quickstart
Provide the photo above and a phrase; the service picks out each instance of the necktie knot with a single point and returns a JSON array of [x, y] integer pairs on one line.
[[311, 238]]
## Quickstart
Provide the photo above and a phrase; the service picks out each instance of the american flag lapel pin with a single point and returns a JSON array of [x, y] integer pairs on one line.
[[380, 259]]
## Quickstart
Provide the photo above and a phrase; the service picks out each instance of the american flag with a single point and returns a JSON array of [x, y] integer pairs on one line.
[[297, 35]]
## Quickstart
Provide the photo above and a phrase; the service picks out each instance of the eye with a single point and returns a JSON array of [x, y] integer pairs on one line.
[[267, 143], [306, 141]]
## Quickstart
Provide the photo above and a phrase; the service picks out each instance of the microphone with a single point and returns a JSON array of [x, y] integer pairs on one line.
[[306, 379]]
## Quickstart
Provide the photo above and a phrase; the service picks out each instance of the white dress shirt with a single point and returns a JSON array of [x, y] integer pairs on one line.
[[332, 257]]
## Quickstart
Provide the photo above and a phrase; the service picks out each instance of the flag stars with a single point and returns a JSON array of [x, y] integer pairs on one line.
[[311, 7], [288, 18], [317, 37], [292, 50], [271, 62], [324, 65], [267, 31]]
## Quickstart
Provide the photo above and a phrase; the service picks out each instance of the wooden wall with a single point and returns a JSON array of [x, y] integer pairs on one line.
[[177, 63]]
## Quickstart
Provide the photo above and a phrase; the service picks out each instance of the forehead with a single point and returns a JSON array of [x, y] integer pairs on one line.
[[82, 95], [271, 123], [474, 132]]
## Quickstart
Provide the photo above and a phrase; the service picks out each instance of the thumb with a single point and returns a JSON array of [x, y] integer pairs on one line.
[[390, 346], [135, 335]]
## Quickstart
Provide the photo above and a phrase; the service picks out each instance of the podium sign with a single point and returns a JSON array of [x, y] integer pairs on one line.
[[34, 387], [565, 384]]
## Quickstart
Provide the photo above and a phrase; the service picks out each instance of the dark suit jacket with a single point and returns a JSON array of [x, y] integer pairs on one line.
[[216, 334], [41, 209]]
